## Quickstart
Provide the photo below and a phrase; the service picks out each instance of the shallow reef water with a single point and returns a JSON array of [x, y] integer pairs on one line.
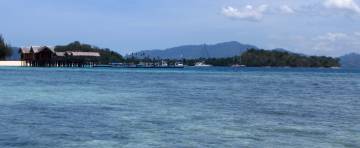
[[190, 107]]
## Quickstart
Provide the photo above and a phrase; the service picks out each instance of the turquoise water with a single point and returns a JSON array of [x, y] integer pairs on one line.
[[191, 107]]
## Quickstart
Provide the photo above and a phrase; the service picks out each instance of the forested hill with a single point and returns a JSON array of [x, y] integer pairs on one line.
[[256, 58], [107, 55]]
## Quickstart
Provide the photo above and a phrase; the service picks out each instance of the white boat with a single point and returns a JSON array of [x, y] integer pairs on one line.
[[164, 64], [177, 64], [202, 64]]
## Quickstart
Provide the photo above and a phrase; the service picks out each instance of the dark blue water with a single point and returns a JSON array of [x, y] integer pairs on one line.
[[192, 107]]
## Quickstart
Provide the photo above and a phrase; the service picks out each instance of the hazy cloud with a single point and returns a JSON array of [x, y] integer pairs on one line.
[[330, 43], [336, 43], [249, 12], [348, 5], [287, 9], [332, 36]]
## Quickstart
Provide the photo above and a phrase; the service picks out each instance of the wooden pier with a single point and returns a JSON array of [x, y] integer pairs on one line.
[[43, 56]]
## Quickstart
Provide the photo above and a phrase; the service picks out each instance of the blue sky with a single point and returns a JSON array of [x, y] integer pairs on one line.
[[321, 27]]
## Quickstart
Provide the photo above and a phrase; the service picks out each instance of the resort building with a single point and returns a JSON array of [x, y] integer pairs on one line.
[[45, 56]]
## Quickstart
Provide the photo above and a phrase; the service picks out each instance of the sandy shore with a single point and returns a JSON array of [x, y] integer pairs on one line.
[[10, 63]]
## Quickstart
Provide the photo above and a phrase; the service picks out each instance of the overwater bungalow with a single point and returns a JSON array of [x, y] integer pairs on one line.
[[46, 56]]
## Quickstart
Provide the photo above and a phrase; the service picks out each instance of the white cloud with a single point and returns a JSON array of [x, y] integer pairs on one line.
[[249, 13], [348, 5], [287, 9], [253, 13]]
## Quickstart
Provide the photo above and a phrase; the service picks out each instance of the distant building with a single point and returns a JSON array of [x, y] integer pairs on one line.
[[45, 56]]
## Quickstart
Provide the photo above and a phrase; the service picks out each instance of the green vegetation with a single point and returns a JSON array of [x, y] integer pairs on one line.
[[107, 55], [5, 49], [265, 58], [250, 58], [224, 61], [257, 58]]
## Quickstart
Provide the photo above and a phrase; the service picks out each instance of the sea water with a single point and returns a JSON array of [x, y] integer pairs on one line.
[[191, 107]]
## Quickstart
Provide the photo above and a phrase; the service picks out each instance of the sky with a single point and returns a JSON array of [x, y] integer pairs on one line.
[[314, 27]]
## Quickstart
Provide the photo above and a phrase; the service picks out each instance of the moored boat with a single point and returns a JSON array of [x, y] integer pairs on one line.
[[202, 64]]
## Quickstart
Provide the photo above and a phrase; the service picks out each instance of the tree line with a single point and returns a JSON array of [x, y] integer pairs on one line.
[[256, 58], [250, 58], [5, 49], [268, 58]]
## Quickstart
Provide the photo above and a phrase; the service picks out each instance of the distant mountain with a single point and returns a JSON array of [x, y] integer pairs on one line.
[[351, 60], [220, 50], [15, 54]]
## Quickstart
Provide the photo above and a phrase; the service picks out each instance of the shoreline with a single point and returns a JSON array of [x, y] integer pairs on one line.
[[19, 64]]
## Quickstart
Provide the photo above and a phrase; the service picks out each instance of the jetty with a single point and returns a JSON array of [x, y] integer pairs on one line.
[[46, 56], [141, 65]]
